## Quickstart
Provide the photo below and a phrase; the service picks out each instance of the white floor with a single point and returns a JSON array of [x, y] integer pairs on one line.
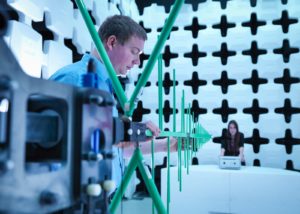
[[135, 206]]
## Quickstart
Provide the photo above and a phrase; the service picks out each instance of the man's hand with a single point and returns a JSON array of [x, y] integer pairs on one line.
[[173, 144], [153, 128], [125, 144], [161, 145]]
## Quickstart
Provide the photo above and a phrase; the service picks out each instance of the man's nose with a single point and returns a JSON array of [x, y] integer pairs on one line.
[[137, 61]]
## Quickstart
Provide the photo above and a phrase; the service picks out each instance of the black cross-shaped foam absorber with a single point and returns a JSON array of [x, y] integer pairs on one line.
[[167, 83], [255, 110], [194, 3], [167, 111], [225, 111], [139, 111], [255, 140], [224, 25], [287, 110], [195, 27], [254, 52], [254, 23], [255, 81], [285, 21], [288, 141], [286, 50], [195, 82], [224, 53], [224, 82], [195, 54], [196, 110], [286, 80]]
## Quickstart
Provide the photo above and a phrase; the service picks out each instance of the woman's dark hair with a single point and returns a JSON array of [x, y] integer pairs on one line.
[[237, 135], [123, 27], [235, 124]]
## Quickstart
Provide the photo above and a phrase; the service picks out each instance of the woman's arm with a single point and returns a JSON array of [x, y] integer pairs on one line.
[[241, 155], [241, 147], [222, 152]]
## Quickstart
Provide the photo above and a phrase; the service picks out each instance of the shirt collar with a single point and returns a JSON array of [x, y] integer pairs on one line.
[[100, 68]]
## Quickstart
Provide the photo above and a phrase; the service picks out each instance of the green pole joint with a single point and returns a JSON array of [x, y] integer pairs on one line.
[[127, 107]]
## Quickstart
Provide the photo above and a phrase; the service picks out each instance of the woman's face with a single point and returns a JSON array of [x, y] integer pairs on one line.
[[232, 129]]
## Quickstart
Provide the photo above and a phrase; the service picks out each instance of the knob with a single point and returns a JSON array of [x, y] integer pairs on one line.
[[109, 185]]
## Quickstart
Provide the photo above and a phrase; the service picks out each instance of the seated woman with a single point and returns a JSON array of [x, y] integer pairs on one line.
[[233, 143]]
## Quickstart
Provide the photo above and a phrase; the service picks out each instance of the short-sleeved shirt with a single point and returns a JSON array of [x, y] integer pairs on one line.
[[72, 74], [232, 148]]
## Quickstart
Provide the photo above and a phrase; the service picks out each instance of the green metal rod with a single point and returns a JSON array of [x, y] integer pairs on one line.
[[201, 136], [128, 173], [101, 50], [183, 126], [188, 122], [188, 156], [150, 184], [160, 93], [153, 171], [172, 134], [157, 49], [174, 101], [188, 139], [194, 131], [197, 140], [190, 118], [190, 131], [177, 134], [178, 154], [182, 113], [180, 168], [185, 151], [193, 148]]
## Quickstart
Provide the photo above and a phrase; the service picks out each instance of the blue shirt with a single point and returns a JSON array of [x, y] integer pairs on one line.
[[72, 74]]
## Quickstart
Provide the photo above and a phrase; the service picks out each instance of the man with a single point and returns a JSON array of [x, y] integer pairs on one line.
[[123, 40]]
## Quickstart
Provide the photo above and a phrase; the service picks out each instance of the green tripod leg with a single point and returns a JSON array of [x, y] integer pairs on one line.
[[138, 161]]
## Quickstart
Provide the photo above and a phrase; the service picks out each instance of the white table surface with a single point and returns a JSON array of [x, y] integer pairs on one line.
[[208, 189]]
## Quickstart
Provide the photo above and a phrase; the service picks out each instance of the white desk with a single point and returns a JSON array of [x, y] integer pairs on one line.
[[208, 189]]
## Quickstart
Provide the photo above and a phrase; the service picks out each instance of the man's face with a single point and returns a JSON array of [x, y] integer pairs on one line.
[[124, 57]]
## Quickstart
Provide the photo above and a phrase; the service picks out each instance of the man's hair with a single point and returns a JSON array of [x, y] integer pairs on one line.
[[123, 27]]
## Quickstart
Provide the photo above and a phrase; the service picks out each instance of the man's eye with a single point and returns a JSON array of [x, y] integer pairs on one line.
[[135, 51]]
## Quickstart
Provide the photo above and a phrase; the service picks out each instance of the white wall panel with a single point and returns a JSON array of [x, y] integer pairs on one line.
[[57, 56], [26, 45]]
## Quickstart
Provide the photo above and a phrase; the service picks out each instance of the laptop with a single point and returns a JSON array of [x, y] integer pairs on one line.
[[230, 162]]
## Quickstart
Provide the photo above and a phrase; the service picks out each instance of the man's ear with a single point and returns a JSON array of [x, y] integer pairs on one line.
[[111, 42]]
